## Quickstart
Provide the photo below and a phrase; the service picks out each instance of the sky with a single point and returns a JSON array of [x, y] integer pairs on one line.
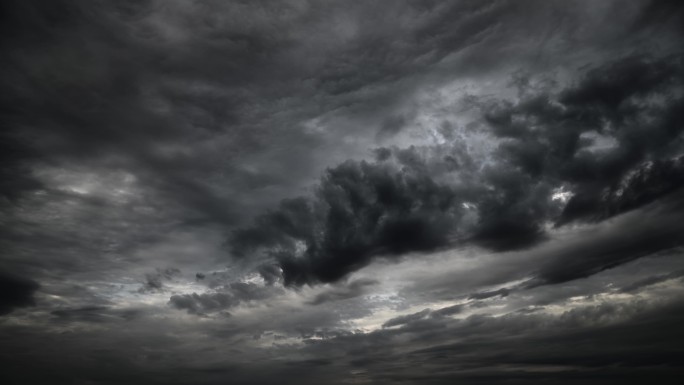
[[341, 192]]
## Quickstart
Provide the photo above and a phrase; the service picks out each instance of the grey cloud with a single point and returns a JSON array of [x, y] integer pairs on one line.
[[155, 281], [405, 319], [449, 310], [95, 314], [223, 298], [425, 314], [654, 229], [652, 280], [489, 294], [202, 303], [351, 290], [600, 250], [391, 126], [485, 346]]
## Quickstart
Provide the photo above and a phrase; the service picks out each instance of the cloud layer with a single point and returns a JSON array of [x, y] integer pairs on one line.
[[333, 192]]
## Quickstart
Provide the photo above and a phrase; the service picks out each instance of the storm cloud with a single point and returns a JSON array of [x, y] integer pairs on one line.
[[545, 169], [334, 192]]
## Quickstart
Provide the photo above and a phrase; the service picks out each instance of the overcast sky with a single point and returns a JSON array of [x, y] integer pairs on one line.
[[341, 192]]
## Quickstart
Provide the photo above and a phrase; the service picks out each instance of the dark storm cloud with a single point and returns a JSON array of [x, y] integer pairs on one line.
[[634, 103], [363, 210], [15, 292]]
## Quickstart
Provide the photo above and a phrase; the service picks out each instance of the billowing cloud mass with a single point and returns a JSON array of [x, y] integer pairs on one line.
[[417, 199], [333, 192]]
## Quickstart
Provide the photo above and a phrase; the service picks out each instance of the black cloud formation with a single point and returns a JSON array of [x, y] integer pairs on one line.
[[15, 292], [360, 210], [634, 104], [612, 140]]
